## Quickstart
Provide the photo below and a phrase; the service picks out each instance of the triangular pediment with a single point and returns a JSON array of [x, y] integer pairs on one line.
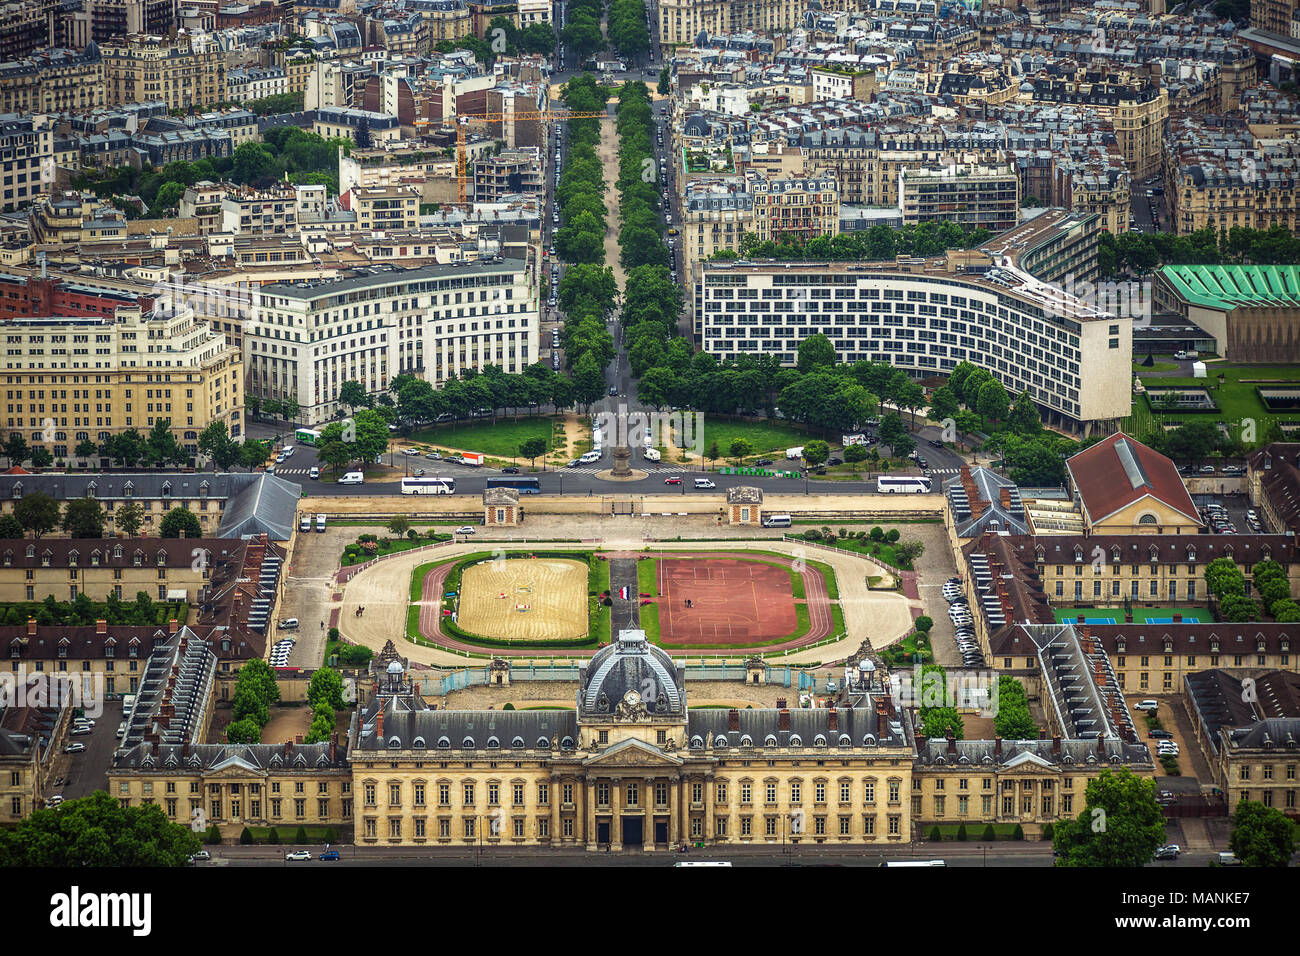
[[632, 753], [1027, 762], [233, 766]]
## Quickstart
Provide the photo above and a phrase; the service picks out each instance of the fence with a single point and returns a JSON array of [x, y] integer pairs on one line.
[[478, 676], [795, 539]]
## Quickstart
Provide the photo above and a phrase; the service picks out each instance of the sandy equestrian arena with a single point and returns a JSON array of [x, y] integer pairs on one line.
[[525, 599]]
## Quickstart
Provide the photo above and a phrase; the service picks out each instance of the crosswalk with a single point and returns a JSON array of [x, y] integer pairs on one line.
[[291, 471]]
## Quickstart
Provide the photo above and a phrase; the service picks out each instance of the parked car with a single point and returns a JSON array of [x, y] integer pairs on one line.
[[834, 461], [763, 461], [510, 470], [330, 855], [75, 748], [1207, 469], [81, 731], [1147, 704], [1228, 859], [433, 456], [201, 856], [298, 855], [1160, 735], [1168, 852], [466, 529], [673, 480]]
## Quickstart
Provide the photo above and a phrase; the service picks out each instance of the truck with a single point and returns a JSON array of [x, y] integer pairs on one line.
[[472, 458]]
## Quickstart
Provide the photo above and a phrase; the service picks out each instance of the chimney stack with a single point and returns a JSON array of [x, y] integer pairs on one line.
[[380, 727], [783, 720], [298, 739], [921, 742], [882, 720], [997, 747], [31, 627], [1101, 742], [334, 746], [834, 724], [733, 719], [173, 626], [1056, 744], [952, 743], [780, 703], [101, 626]]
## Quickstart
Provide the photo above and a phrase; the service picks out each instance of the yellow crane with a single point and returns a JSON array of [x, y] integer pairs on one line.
[[463, 123]]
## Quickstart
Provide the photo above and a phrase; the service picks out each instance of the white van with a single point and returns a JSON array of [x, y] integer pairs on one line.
[[353, 478], [776, 521], [704, 483], [304, 523], [792, 453], [652, 454], [320, 522], [590, 457]]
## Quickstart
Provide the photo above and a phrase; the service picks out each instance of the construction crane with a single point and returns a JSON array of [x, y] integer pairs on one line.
[[462, 123]]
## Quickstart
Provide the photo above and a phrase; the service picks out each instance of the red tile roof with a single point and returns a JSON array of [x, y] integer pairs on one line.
[[1120, 470]]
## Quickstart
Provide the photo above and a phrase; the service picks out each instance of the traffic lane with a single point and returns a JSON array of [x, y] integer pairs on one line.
[[87, 772]]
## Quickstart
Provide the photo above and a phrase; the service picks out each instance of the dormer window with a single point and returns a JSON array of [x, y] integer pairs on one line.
[[1078, 555], [45, 559], [1155, 554], [162, 559], [138, 559], [31, 551], [94, 558], [90, 490], [9, 559], [1114, 554], [117, 552], [167, 489], [18, 490], [72, 559], [128, 490]]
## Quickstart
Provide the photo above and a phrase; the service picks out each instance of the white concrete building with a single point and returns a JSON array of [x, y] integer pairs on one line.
[[306, 339]]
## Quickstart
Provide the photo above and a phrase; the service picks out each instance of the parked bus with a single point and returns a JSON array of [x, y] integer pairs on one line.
[[429, 486], [915, 863], [893, 484], [307, 436], [525, 486]]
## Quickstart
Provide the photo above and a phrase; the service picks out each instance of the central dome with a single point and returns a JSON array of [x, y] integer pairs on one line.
[[630, 672]]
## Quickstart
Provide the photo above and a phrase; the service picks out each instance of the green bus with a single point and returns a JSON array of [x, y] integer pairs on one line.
[[307, 436]]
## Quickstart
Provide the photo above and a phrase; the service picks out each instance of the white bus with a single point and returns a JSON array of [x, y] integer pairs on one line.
[[915, 863], [888, 484], [429, 485]]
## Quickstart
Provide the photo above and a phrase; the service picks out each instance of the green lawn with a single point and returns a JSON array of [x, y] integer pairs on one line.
[[647, 577], [502, 439], [763, 436], [974, 830], [288, 832], [353, 555], [1141, 615], [1236, 399], [599, 580], [650, 622]]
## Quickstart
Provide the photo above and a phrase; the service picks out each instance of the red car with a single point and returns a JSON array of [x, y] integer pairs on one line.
[[674, 480]]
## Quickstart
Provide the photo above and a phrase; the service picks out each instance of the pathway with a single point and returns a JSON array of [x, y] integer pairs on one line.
[[625, 614]]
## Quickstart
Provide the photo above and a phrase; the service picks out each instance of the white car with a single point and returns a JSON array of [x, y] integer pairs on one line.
[[1148, 704], [298, 855], [74, 748], [466, 529]]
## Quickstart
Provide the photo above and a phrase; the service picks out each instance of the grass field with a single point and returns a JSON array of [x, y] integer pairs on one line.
[[1141, 615], [1236, 399], [502, 439], [647, 579], [764, 437]]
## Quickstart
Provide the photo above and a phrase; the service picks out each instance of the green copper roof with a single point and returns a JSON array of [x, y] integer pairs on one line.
[[1226, 287]]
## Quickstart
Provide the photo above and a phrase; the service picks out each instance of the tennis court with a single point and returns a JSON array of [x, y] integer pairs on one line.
[[1141, 615]]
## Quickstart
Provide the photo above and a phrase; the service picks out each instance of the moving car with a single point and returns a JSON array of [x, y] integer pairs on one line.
[[353, 478], [704, 483], [201, 856], [466, 529], [288, 624], [330, 855], [298, 855], [75, 748], [673, 480], [314, 473], [1228, 859], [1169, 852]]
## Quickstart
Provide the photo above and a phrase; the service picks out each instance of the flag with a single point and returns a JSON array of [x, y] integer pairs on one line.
[[623, 592]]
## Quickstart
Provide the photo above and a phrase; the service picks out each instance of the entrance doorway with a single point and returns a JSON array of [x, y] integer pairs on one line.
[[633, 835], [661, 832], [602, 831]]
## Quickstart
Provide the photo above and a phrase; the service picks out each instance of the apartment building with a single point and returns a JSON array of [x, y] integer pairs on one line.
[[339, 122], [26, 159], [716, 214], [203, 201], [1273, 15], [797, 209], [511, 172], [129, 371], [1273, 482], [306, 339], [26, 735], [972, 194], [680, 21], [143, 67], [394, 208], [30, 26], [273, 211], [101, 21], [53, 81], [1138, 109], [925, 316], [255, 83]]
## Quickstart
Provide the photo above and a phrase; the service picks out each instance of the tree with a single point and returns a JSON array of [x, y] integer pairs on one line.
[[37, 512], [326, 687], [253, 453], [923, 624], [815, 452], [161, 447], [1120, 825], [663, 86], [216, 443], [856, 453], [97, 831], [740, 448], [1261, 836], [41, 457], [993, 402], [87, 449], [532, 449], [15, 449], [353, 395], [245, 837], [908, 551], [180, 523], [816, 351], [246, 730], [398, 525], [254, 163], [1223, 577], [1024, 416], [273, 837], [128, 518], [11, 527], [943, 403], [300, 837], [84, 518], [894, 434]]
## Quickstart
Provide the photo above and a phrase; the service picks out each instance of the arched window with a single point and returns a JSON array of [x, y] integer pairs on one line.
[[819, 740], [418, 743], [444, 743], [493, 743], [769, 740], [697, 742], [1147, 518], [467, 743]]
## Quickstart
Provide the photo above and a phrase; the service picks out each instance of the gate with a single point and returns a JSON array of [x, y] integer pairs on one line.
[[618, 506]]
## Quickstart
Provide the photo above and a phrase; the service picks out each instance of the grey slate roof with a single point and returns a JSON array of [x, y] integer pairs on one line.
[[265, 506], [704, 728], [208, 757], [470, 730], [631, 663], [984, 753]]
